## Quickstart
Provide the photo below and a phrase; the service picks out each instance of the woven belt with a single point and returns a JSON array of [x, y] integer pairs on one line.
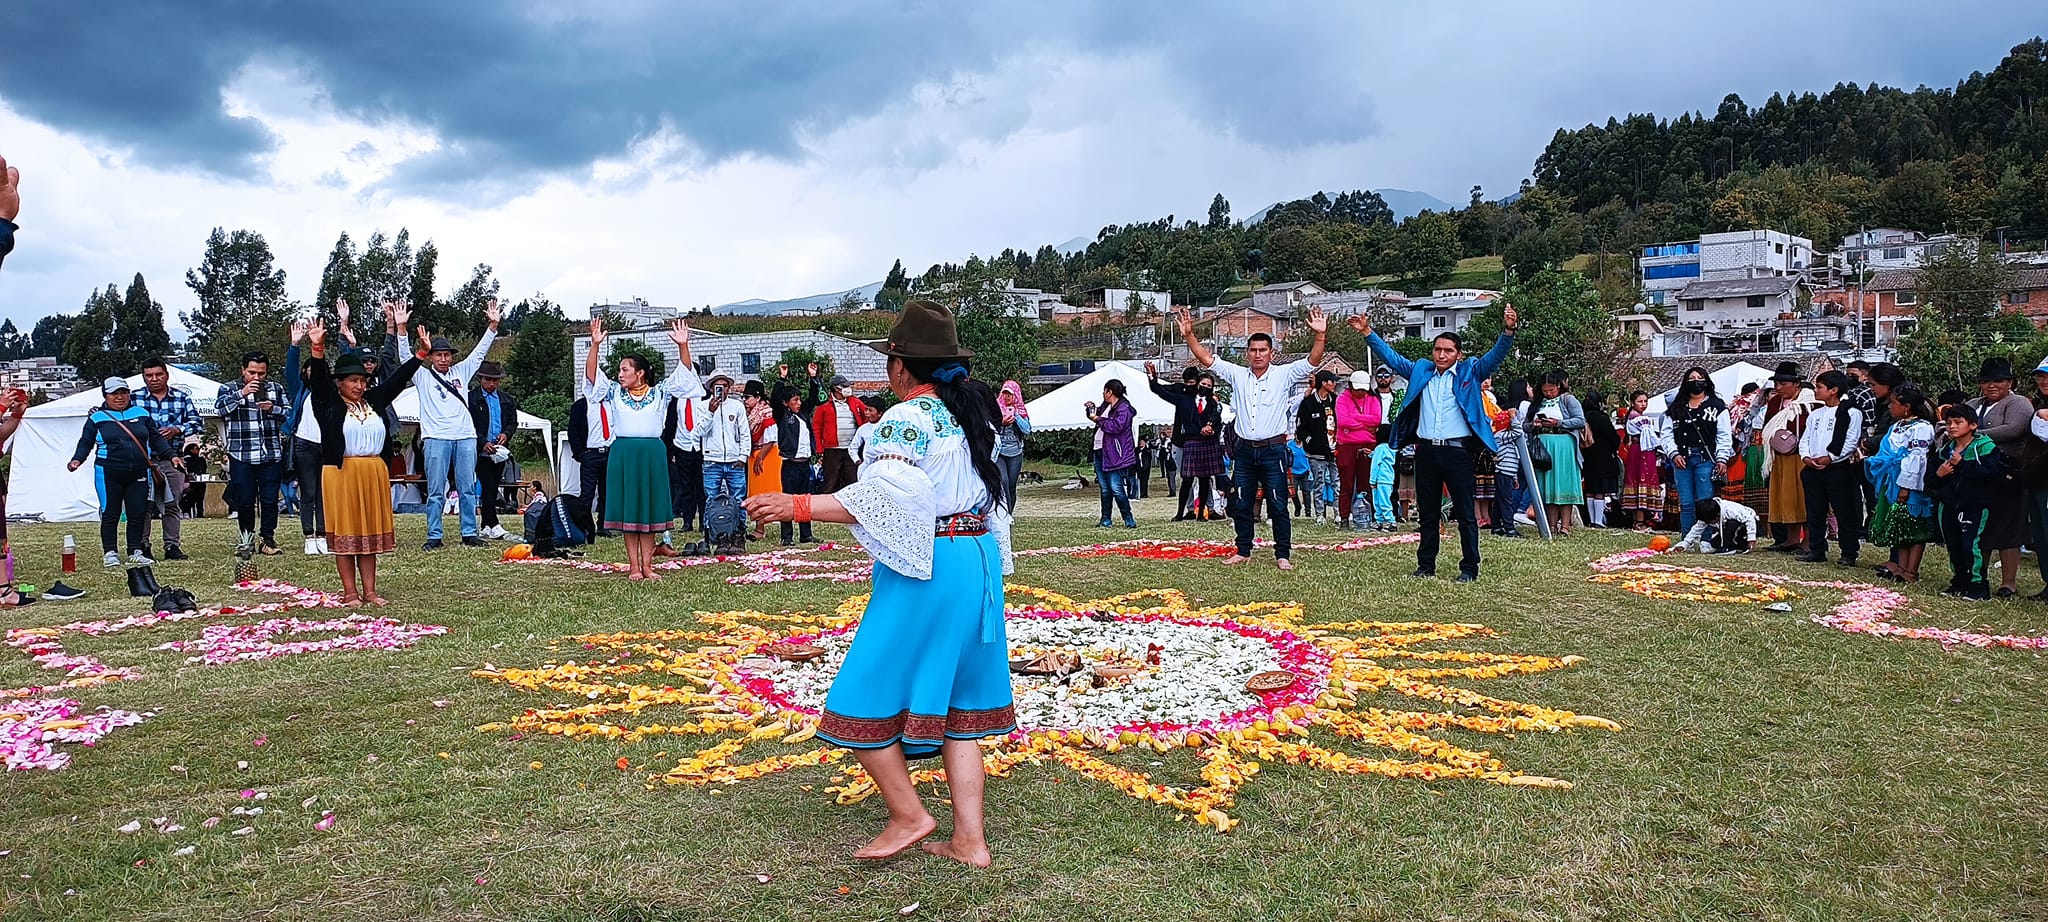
[[960, 525]]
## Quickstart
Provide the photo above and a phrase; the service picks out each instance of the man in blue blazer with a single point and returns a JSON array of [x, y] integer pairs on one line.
[[1447, 424]]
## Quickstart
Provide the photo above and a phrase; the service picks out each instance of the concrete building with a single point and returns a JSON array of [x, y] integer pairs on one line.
[[1341, 304], [1888, 248], [42, 375], [638, 312], [1287, 299], [1446, 310], [1034, 304], [743, 356], [1666, 269], [1118, 301]]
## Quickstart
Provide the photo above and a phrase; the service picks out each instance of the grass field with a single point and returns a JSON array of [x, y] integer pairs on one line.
[[1767, 767]]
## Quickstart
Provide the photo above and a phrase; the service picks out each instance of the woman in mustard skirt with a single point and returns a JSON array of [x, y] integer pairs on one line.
[[355, 474]]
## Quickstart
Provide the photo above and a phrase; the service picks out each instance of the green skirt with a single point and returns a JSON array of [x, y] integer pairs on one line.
[[636, 495], [1894, 526]]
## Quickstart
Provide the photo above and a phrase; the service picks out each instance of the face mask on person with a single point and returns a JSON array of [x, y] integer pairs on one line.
[[1694, 388], [1206, 391]]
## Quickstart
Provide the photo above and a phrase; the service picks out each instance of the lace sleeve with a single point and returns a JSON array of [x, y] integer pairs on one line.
[[895, 503], [999, 525]]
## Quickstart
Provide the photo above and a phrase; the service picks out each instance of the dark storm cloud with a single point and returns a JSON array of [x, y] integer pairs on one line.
[[513, 88]]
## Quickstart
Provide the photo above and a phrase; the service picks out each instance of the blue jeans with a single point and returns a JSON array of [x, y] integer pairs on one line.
[[441, 454], [1695, 482], [249, 483], [1262, 466], [730, 476], [1117, 485]]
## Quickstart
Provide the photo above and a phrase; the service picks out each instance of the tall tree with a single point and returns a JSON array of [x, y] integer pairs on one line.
[[49, 335], [242, 304], [12, 342], [895, 289], [139, 333], [1219, 212], [86, 343], [1427, 250], [467, 306], [538, 369], [419, 292], [342, 278]]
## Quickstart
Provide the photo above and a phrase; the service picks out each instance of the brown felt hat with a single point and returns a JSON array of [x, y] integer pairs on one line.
[[490, 370], [925, 330]]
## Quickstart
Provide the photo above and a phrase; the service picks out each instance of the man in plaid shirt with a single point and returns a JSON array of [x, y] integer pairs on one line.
[[177, 418], [254, 412]]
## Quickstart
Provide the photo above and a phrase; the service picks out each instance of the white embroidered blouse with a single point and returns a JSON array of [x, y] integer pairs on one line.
[[645, 417], [917, 469]]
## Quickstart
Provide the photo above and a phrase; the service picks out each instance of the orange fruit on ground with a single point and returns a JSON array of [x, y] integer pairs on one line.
[[1660, 543], [519, 552]]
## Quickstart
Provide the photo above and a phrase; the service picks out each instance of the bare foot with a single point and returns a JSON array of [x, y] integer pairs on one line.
[[975, 855], [896, 837], [634, 576], [1234, 560], [650, 575], [1285, 564], [348, 600], [379, 601]]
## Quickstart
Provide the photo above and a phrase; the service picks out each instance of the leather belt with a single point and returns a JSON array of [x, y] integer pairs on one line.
[[1459, 442], [1262, 443], [960, 525]]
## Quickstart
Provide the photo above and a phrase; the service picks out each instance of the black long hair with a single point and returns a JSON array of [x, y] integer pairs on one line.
[[973, 406], [1915, 400]]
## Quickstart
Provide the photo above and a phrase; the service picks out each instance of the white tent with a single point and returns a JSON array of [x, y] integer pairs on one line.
[[1064, 408], [408, 407], [1728, 384], [40, 486]]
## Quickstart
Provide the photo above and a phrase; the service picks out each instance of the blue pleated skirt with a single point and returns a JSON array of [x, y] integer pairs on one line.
[[930, 660]]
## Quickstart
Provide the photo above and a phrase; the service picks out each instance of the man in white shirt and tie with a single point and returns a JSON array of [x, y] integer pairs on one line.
[[1260, 394], [447, 431]]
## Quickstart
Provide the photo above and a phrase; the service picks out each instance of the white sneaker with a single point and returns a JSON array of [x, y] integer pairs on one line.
[[324, 552], [498, 533], [137, 559], [312, 547], [112, 560]]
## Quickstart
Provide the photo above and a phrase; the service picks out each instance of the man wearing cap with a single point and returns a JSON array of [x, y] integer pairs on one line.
[[1446, 420], [1390, 396], [253, 411], [1314, 421], [122, 440], [1357, 415], [2006, 418], [176, 419], [833, 424], [1260, 394], [719, 422], [495, 415], [447, 429]]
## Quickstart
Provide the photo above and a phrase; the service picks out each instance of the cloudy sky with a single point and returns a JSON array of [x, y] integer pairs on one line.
[[704, 153]]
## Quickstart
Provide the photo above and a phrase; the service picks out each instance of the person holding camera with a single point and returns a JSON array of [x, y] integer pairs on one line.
[[496, 416]]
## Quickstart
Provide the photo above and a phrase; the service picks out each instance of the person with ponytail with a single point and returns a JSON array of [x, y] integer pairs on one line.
[[1831, 474], [928, 672], [1904, 520]]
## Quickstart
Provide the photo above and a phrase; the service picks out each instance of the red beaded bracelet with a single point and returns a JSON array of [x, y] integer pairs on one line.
[[803, 507]]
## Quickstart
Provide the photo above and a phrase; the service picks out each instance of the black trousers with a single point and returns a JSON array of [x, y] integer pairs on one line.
[[1837, 488], [124, 490], [489, 475], [686, 486], [590, 485], [840, 469], [1731, 536], [796, 481], [1449, 466], [1144, 474]]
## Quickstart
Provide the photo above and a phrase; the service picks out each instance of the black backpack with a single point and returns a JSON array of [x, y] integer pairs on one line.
[[725, 524]]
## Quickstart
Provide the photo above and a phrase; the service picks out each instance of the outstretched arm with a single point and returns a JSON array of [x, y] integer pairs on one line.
[[1490, 362], [1186, 323], [596, 343]]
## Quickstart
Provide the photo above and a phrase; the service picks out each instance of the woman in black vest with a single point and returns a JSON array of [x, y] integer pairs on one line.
[[355, 473]]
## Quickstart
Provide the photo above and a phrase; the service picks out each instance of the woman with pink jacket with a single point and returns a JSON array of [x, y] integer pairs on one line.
[[1358, 416]]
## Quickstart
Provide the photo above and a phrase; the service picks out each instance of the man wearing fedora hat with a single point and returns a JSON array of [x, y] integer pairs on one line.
[[1784, 422], [448, 433], [2005, 417], [495, 414]]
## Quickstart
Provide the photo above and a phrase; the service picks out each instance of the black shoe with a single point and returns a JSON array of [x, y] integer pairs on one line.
[[174, 552], [1511, 533], [136, 587], [1812, 558], [1423, 574], [1179, 518], [58, 592], [2041, 596], [148, 577], [433, 544], [472, 541], [1846, 562], [269, 548], [2007, 592], [1465, 578]]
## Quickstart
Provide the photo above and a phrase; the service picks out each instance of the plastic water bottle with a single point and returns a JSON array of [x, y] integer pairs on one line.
[[70, 554]]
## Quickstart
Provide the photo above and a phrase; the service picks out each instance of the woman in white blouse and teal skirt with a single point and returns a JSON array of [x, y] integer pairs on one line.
[[928, 672], [636, 490]]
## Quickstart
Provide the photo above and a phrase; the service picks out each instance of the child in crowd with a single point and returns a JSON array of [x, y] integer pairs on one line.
[[1964, 487], [1382, 480], [1507, 474], [1300, 480], [1720, 527]]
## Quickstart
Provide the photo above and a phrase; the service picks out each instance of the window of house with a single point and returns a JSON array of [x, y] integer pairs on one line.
[[750, 363], [2017, 297], [1895, 253], [1413, 331], [1438, 323], [1777, 248], [709, 363], [1695, 304], [1907, 298], [1756, 300]]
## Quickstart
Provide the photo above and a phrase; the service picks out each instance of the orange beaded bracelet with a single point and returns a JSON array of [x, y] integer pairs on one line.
[[803, 507]]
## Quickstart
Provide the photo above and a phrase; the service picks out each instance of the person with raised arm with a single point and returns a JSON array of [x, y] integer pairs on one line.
[[1444, 417], [10, 206], [637, 499], [354, 466], [1260, 393], [928, 670], [447, 432]]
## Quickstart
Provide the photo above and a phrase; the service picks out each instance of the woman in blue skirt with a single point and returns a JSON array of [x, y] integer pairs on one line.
[[928, 672]]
